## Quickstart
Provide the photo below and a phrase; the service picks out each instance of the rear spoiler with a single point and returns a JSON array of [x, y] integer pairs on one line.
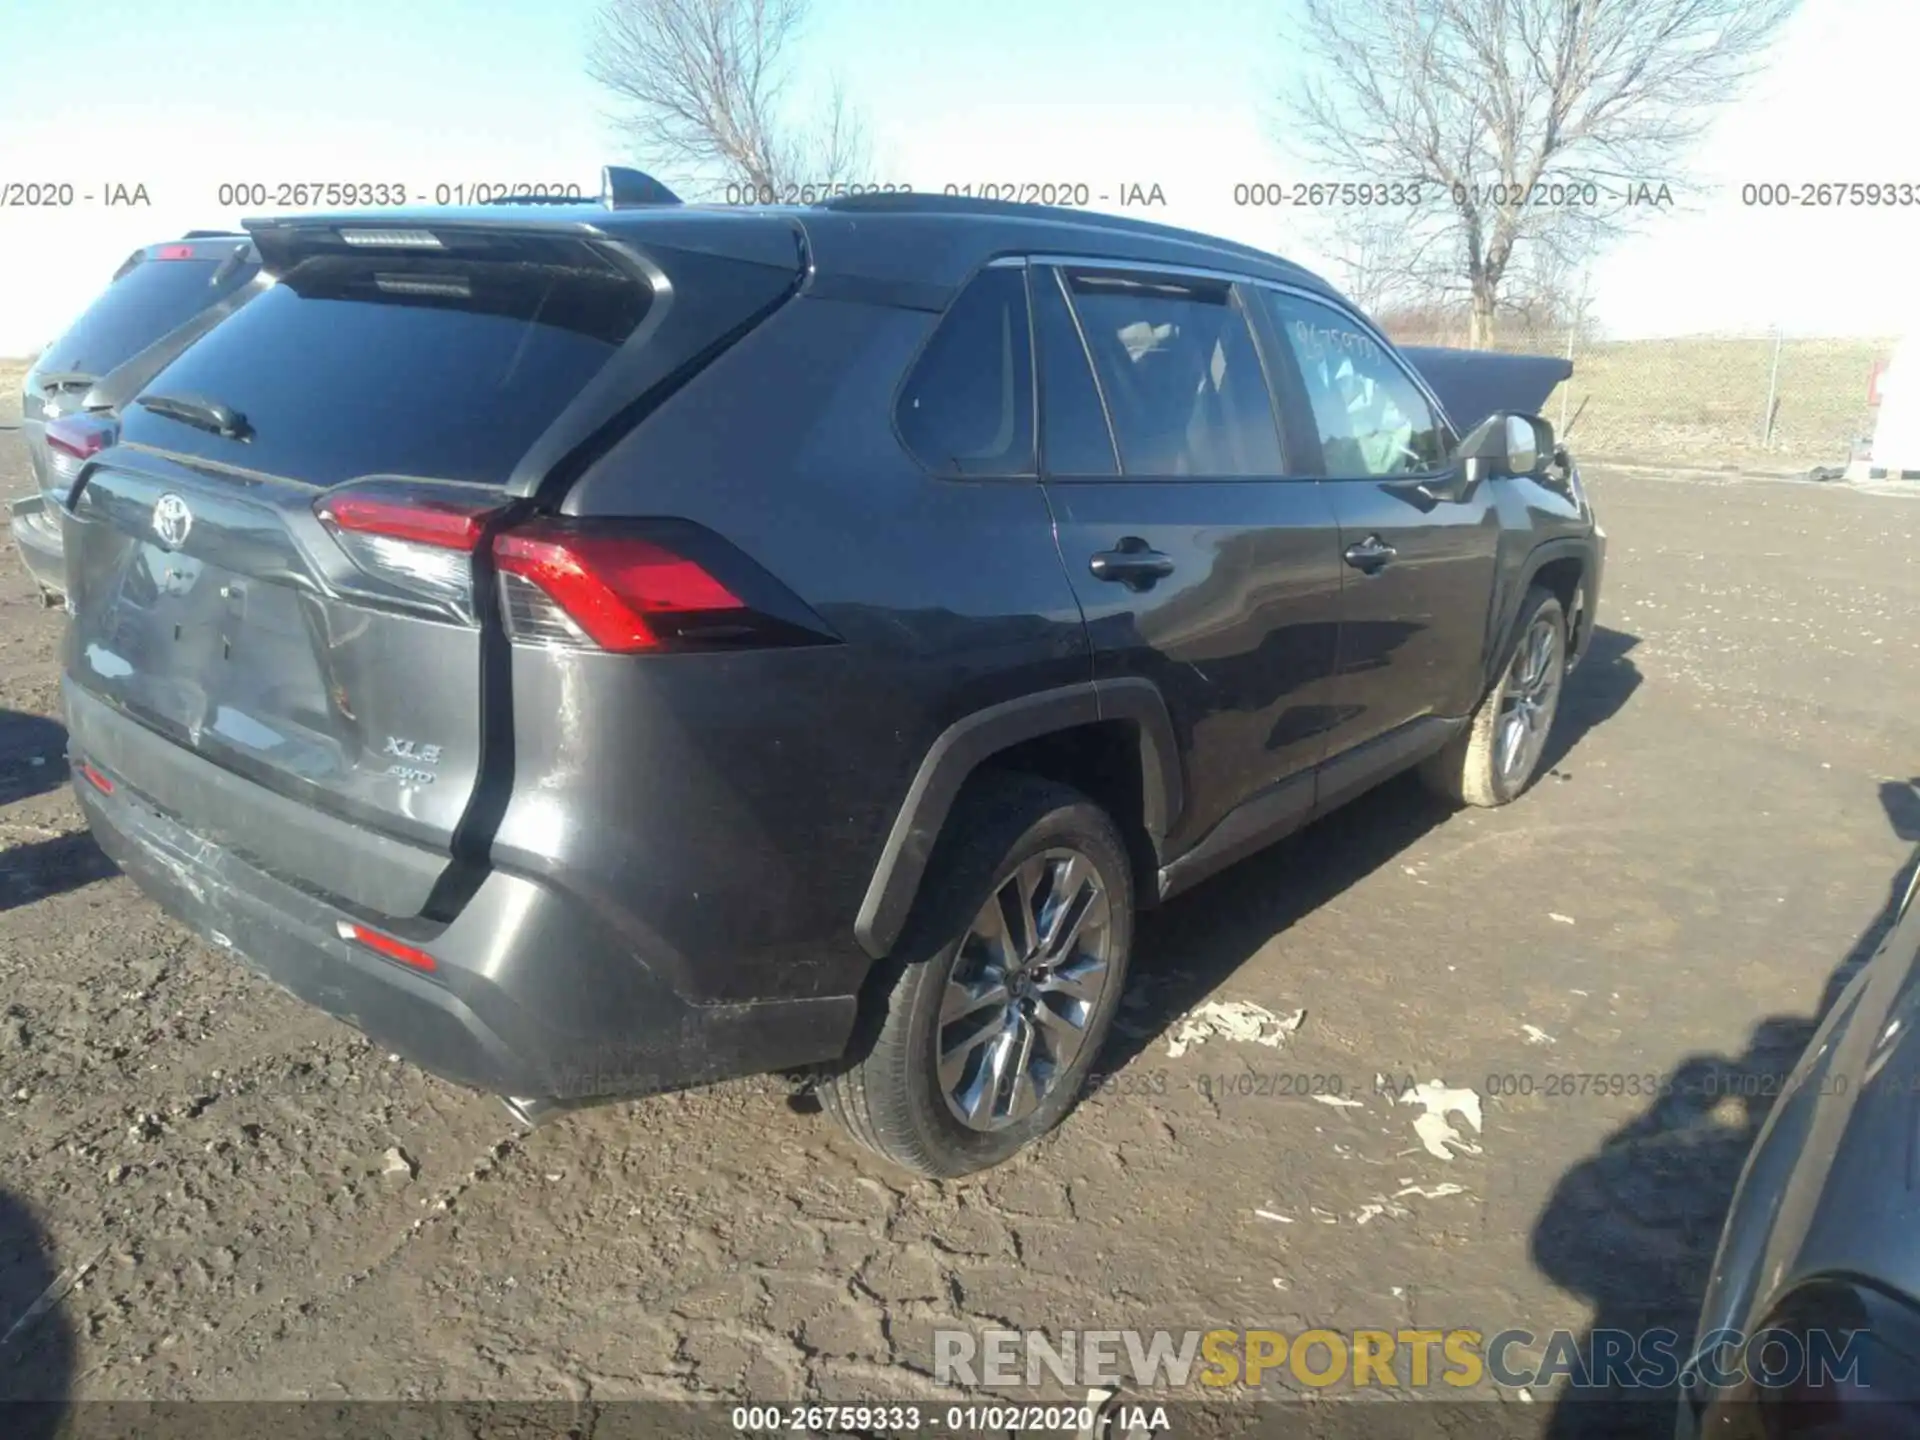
[[621, 188], [1473, 384]]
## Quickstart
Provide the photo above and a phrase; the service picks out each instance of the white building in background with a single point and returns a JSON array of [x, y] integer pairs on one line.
[[1895, 451]]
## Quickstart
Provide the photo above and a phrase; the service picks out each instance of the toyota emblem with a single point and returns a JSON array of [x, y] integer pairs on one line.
[[172, 520]]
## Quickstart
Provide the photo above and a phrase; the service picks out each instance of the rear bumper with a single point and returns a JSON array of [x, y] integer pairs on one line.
[[528, 996], [36, 535]]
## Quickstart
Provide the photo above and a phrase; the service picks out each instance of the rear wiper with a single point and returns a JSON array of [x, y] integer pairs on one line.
[[198, 411]]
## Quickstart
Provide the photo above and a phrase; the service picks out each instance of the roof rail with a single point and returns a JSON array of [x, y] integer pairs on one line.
[[622, 188], [913, 203], [215, 235]]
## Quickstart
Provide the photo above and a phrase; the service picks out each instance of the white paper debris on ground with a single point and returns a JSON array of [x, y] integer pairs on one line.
[[1536, 1036], [1558, 918], [1431, 1192], [1270, 1215], [1339, 1100], [1231, 1020], [1432, 1126]]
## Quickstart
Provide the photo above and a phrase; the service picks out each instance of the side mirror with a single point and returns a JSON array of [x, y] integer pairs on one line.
[[1508, 444]]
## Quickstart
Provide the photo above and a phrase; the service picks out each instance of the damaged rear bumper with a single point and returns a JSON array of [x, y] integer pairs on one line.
[[528, 997]]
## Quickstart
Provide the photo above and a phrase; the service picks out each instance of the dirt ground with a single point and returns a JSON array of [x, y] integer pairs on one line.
[[1728, 809]]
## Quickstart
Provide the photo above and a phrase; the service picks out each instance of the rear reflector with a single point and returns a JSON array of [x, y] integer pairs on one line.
[[611, 588], [96, 779], [385, 945]]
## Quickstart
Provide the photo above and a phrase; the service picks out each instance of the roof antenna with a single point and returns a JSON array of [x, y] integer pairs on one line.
[[621, 187]]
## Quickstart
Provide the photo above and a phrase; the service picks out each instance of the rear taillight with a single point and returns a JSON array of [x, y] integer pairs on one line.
[[73, 440], [621, 586], [562, 586], [418, 538]]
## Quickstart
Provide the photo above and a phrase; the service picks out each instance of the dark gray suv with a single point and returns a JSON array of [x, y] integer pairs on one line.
[[597, 650]]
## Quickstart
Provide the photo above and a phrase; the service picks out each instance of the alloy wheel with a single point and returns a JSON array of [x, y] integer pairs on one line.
[[1029, 977], [1528, 700]]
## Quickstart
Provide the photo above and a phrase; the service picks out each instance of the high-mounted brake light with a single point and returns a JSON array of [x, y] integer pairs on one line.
[[568, 587], [385, 945], [174, 252], [394, 239]]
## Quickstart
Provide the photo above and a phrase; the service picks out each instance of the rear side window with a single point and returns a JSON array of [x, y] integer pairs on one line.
[[967, 405], [399, 364], [141, 305], [1373, 420], [1074, 439], [1181, 377]]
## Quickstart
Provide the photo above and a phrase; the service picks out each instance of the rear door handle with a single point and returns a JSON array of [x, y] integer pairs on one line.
[[1132, 563], [1371, 555]]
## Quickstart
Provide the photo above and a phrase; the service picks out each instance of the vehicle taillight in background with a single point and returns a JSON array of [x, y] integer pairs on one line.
[[621, 586]]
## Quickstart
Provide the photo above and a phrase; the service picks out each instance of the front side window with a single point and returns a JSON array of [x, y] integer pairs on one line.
[[1182, 380], [967, 406], [1373, 420]]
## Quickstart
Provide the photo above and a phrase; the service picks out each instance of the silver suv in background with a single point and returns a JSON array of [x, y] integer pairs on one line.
[[162, 298]]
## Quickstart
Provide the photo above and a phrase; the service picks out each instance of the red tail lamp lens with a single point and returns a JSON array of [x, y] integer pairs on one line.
[[448, 526], [608, 585]]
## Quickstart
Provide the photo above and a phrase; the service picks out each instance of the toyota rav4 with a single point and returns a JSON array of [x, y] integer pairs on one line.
[[603, 649]]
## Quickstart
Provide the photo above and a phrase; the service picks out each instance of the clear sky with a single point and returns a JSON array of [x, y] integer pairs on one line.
[[186, 95]]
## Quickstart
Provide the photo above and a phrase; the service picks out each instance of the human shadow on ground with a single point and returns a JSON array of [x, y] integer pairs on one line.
[[1633, 1227], [37, 1339]]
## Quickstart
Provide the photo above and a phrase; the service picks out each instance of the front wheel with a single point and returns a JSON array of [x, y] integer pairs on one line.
[[1495, 757], [979, 1037]]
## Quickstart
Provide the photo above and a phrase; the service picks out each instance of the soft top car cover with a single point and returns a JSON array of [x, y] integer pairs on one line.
[[1473, 384]]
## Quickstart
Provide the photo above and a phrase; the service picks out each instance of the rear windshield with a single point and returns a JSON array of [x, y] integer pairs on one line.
[[416, 365], [137, 309]]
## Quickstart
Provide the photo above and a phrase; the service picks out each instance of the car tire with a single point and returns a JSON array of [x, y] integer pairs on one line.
[[1495, 758], [1013, 845]]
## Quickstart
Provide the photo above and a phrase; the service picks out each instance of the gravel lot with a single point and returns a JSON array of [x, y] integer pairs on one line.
[[1728, 812]]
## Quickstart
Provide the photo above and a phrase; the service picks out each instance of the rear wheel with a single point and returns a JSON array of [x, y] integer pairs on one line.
[[1494, 759], [979, 1036]]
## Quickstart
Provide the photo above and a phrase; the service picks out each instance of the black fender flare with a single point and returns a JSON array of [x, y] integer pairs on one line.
[[1585, 549], [965, 744]]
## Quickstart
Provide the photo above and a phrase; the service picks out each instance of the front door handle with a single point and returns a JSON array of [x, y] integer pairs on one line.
[[1371, 555], [1132, 563]]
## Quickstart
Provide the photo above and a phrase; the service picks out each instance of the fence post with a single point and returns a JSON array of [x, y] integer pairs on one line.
[[1773, 389]]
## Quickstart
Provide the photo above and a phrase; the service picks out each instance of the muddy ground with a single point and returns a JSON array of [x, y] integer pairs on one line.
[[1727, 813]]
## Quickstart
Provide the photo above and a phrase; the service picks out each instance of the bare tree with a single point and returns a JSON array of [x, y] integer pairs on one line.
[[703, 85], [1555, 122]]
